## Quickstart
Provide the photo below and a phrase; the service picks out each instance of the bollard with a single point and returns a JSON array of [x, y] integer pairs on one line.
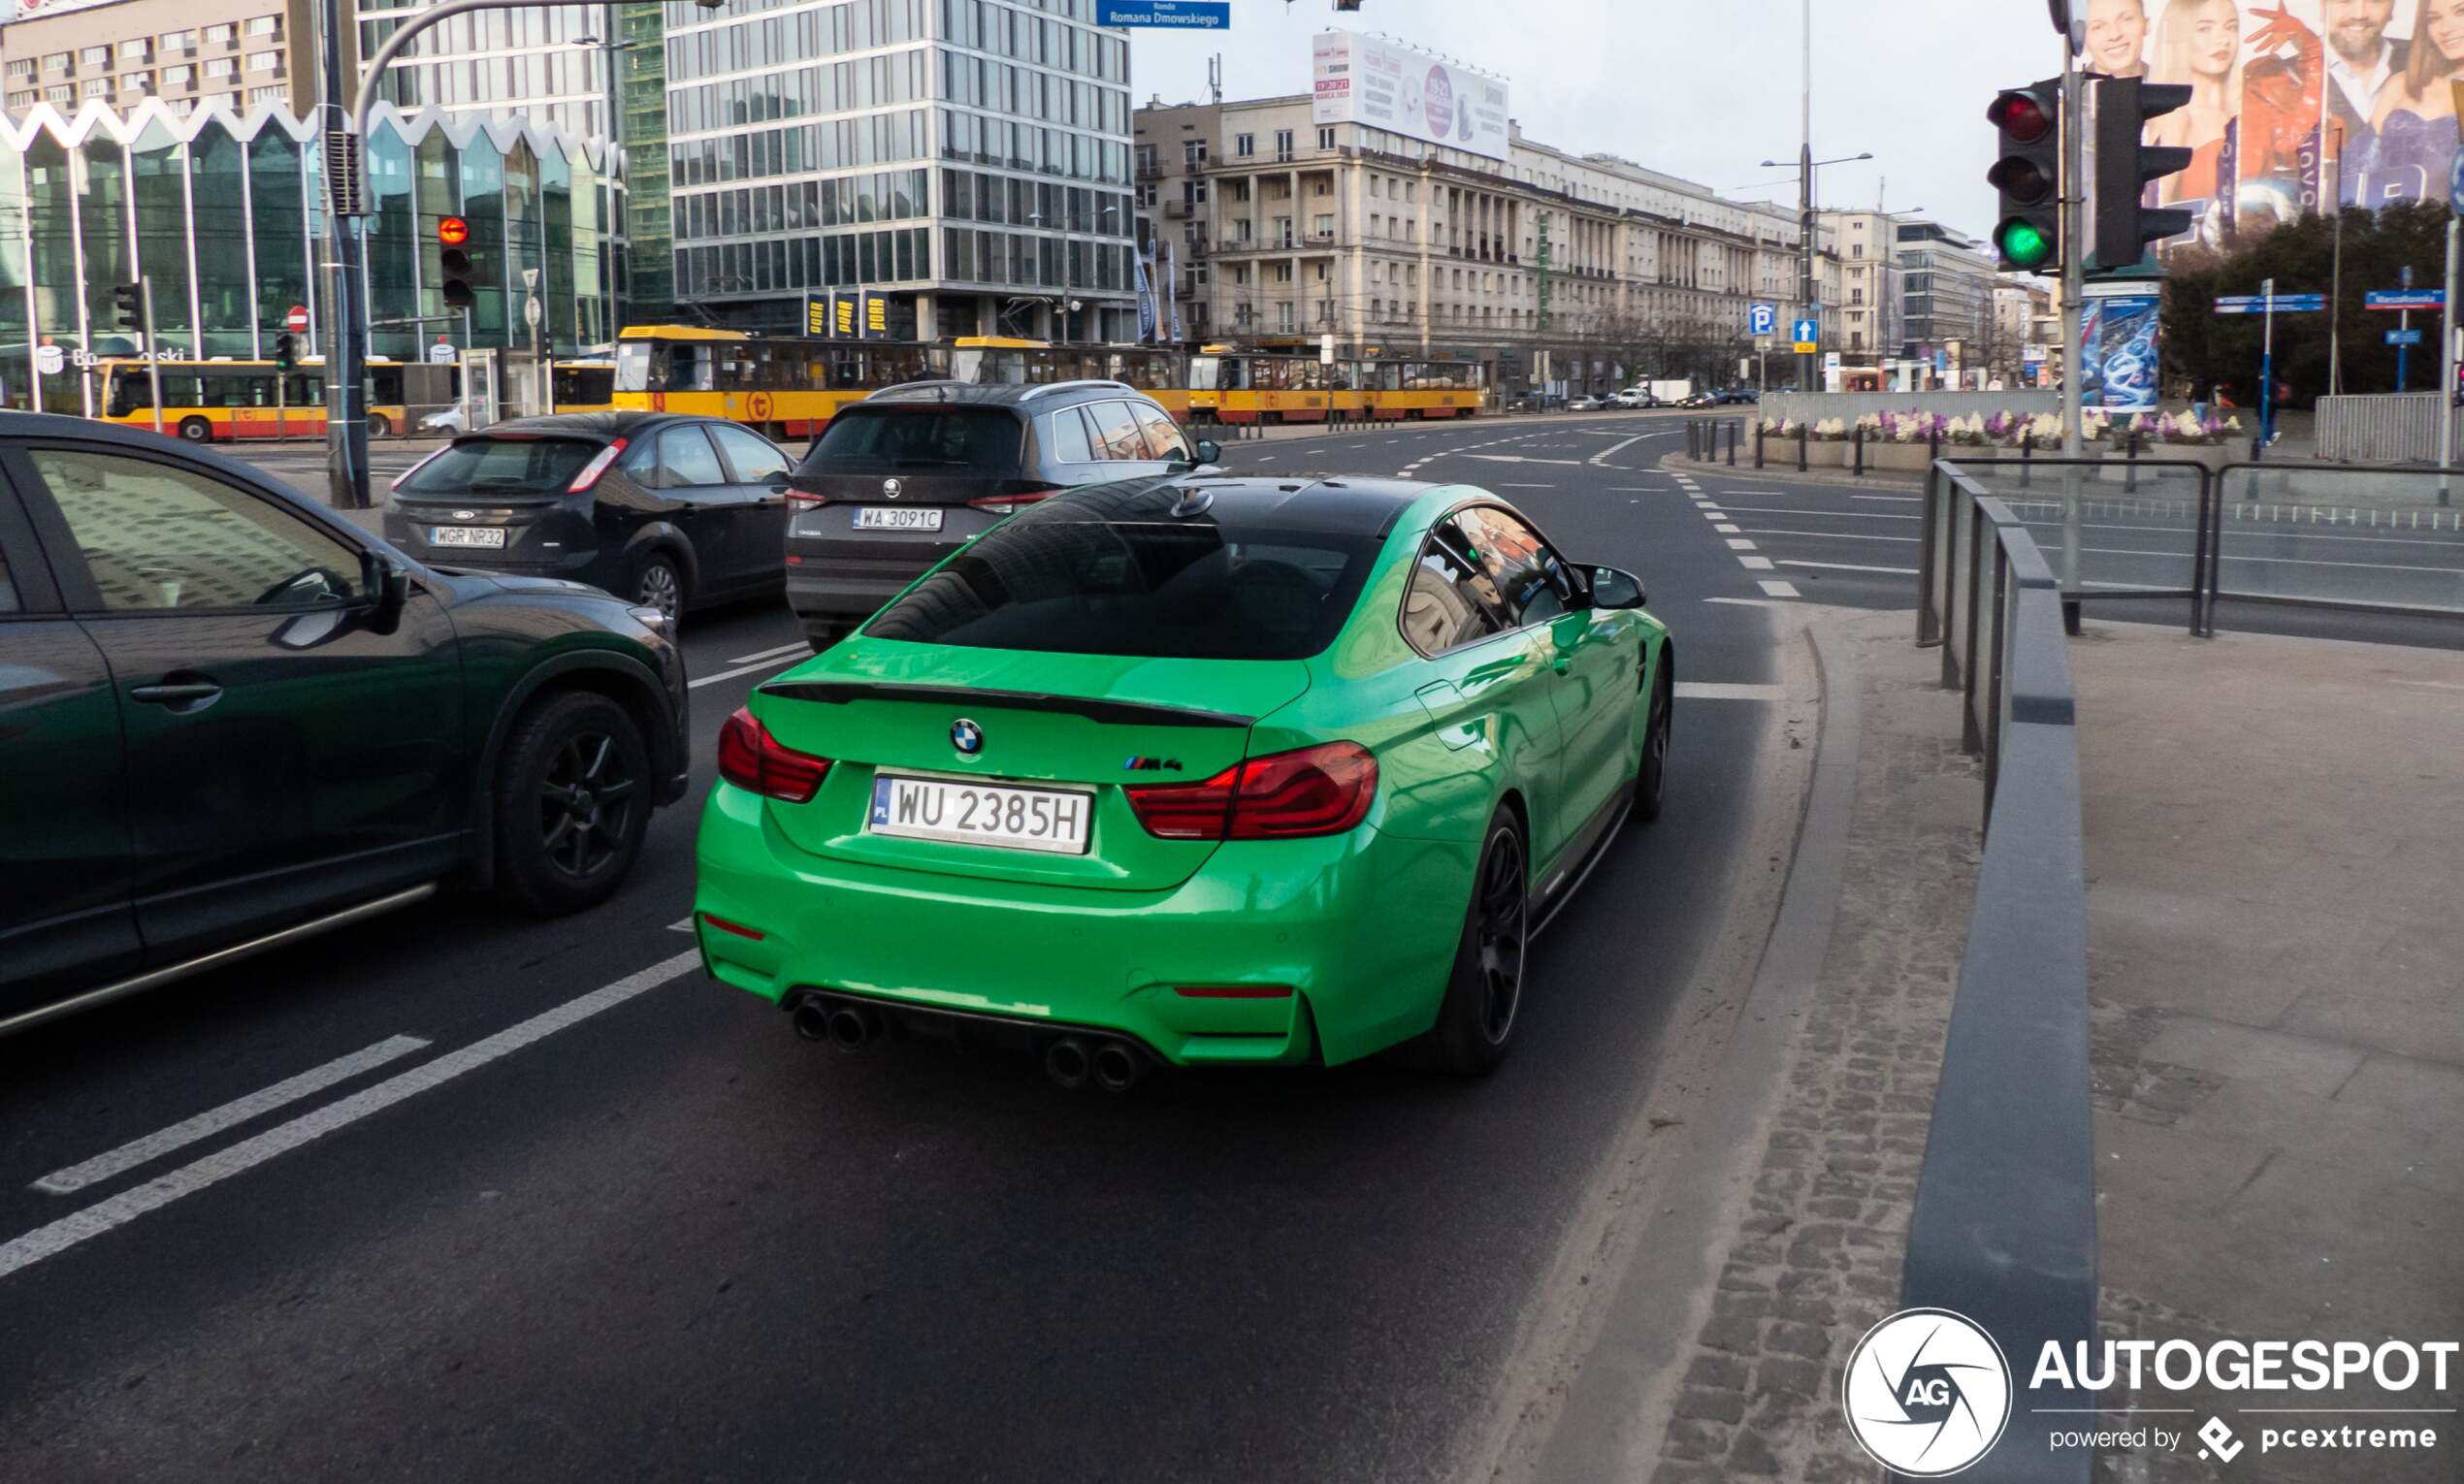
[[2027, 458], [1732, 432], [1760, 427], [1800, 448], [1860, 473], [1933, 445], [2258, 453], [2130, 464]]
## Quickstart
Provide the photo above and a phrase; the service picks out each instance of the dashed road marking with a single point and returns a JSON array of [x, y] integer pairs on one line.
[[747, 669], [204, 1125], [111, 1214], [1779, 589], [1725, 528], [1755, 564], [1849, 567], [1706, 690], [1739, 544]]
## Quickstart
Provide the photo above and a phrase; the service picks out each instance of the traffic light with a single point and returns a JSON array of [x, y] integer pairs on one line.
[[128, 304], [2028, 175], [452, 232], [286, 351], [2121, 165]]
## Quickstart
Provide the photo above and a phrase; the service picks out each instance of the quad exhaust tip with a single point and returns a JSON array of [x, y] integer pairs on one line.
[[1065, 1062], [844, 1026], [1118, 1068]]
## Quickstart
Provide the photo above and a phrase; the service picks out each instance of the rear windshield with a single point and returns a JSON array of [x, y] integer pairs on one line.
[[498, 465], [925, 438], [1061, 579]]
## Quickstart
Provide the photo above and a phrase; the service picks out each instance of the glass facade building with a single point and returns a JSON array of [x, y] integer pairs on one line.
[[225, 213], [970, 157]]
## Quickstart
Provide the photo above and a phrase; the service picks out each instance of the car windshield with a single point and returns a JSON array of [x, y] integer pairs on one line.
[[1071, 576], [501, 466], [872, 439]]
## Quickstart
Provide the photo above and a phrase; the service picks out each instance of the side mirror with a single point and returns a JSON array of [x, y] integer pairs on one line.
[[1210, 451], [388, 584], [1616, 588], [778, 482]]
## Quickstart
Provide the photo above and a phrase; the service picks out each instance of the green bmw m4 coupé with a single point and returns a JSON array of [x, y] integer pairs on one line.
[[1205, 771]]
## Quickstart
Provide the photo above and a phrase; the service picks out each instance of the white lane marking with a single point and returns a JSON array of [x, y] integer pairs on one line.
[[1849, 567], [2429, 685], [1520, 458], [1601, 458], [1779, 589], [1843, 536], [1755, 564], [1739, 544], [1706, 689], [771, 653], [1875, 515], [1724, 528], [204, 1125], [1913, 499], [683, 924], [118, 1211], [1267, 459], [747, 669], [1715, 512], [1527, 486], [1752, 603]]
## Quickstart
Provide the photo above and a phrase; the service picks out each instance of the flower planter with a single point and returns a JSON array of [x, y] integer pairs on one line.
[[1828, 454], [1900, 458]]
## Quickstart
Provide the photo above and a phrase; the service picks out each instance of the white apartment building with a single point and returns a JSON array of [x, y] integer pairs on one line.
[[1279, 231]]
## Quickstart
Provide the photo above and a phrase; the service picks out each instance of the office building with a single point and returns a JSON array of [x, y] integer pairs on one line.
[[549, 64], [1869, 296], [225, 216], [1947, 286], [968, 157], [118, 53]]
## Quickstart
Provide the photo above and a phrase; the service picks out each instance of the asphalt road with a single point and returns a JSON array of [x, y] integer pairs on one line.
[[356, 1210]]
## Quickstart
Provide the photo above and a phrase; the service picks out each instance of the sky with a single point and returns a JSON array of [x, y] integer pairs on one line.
[[1705, 89]]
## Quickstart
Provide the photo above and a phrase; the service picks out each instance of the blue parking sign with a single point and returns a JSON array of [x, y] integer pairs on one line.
[[1762, 319]]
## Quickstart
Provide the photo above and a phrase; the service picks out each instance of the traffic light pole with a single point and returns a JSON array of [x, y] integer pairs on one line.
[[153, 352], [345, 143], [2074, 294]]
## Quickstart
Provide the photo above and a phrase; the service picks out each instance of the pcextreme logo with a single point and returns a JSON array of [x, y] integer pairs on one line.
[[1928, 1392]]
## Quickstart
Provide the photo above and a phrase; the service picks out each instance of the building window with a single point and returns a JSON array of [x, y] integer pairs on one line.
[[275, 94], [1245, 145], [60, 94], [1282, 143], [179, 41], [264, 25], [57, 61], [180, 77], [94, 56], [265, 61], [1193, 153], [137, 83], [22, 67], [1326, 139], [98, 87], [218, 35], [138, 50], [221, 67]]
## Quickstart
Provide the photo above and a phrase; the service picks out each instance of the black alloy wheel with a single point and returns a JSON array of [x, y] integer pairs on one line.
[[586, 803]]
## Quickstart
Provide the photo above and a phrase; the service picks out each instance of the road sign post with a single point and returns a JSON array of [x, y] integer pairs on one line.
[[2267, 368]]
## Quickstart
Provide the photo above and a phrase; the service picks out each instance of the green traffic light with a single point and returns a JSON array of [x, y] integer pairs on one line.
[[2025, 244]]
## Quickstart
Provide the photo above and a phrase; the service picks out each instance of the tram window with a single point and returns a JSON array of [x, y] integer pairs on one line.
[[691, 367]]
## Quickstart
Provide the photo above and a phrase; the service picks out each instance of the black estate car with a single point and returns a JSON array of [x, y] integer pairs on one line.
[[670, 512], [228, 720], [913, 473]]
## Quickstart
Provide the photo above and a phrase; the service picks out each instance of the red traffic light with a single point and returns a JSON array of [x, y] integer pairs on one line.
[[2021, 117], [2023, 180], [452, 231]]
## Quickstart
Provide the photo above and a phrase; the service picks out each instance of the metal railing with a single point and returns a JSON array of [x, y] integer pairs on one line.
[[2005, 1230]]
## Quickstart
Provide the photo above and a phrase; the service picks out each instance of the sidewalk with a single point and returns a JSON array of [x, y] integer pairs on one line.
[[2277, 982]]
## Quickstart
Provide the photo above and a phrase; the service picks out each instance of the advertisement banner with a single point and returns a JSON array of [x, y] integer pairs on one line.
[[1145, 287], [2287, 110], [29, 10], [2120, 335], [1383, 84]]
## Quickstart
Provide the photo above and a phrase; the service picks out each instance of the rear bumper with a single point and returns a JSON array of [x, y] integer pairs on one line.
[[1360, 928], [818, 588]]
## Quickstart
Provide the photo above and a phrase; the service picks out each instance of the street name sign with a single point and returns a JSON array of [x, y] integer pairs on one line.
[[2404, 337], [1176, 14], [2282, 303], [2405, 298]]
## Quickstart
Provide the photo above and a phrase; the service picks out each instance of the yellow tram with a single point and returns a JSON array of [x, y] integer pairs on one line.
[[786, 388], [1242, 386]]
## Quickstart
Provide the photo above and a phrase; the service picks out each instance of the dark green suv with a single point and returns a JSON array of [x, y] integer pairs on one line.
[[229, 720]]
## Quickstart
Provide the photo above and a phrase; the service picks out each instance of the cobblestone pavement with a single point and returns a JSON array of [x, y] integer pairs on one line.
[[1817, 1260]]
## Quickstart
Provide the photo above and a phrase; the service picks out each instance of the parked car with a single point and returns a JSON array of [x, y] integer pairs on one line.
[[1739, 397], [1700, 399], [448, 421], [913, 473], [670, 512], [1070, 782], [1634, 397], [234, 720], [1587, 402]]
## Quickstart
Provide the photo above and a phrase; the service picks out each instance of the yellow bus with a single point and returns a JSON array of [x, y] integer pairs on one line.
[[228, 401], [580, 386], [785, 388]]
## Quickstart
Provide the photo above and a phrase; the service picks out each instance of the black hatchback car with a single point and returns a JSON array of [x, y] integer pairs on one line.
[[229, 720], [913, 473], [668, 511]]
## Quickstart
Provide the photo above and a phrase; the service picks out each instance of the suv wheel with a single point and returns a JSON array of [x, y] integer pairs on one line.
[[572, 803]]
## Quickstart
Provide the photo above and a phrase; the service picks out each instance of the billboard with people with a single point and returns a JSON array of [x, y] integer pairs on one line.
[[2294, 102]]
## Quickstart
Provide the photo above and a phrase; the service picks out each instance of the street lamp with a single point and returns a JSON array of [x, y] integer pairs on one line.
[[1807, 293]]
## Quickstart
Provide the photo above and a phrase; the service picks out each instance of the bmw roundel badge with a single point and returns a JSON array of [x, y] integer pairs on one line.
[[966, 737]]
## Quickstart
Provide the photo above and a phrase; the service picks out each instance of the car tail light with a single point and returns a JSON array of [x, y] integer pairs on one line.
[[1316, 791], [753, 759], [805, 499], [737, 928], [593, 470], [1017, 498]]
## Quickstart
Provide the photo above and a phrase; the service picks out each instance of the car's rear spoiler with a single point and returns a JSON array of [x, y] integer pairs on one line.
[[829, 693]]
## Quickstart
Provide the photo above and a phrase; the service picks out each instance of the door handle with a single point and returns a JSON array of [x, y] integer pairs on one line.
[[188, 693]]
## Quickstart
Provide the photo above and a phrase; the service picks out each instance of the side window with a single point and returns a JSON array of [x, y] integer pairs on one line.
[[686, 459], [1163, 435], [157, 536], [748, 453], [1069, 437], [1450, 602], [1527, 575], [1116, 435], [9, 602]]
